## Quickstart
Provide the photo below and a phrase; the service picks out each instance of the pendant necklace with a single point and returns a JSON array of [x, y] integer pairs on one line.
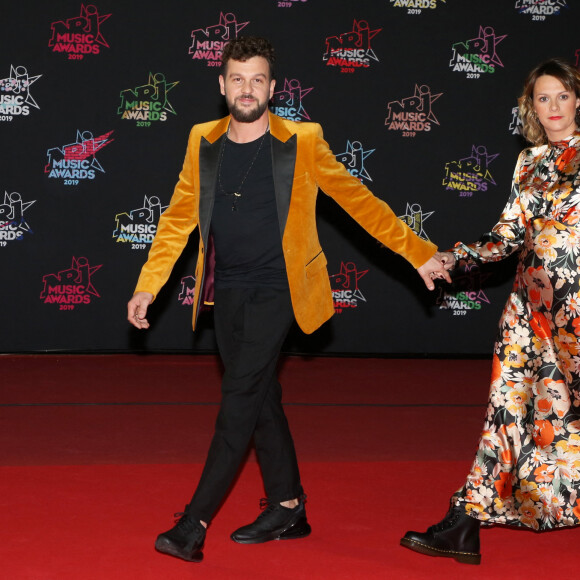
[[238, 192]]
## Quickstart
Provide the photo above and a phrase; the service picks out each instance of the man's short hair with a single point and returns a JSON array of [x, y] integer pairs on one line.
[[245, 47]]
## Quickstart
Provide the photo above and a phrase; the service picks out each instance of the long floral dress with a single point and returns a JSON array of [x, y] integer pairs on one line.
[[527, 468]]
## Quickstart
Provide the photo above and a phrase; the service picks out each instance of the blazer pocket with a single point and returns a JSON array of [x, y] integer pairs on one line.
[[302, 179], [315, 265]]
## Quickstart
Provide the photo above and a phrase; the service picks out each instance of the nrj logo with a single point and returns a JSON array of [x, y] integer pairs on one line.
[[516, 124], [415, 218], [415, 6], [72, 286], [470, 174], [345, 287], [467, 294], [77, 161], [539, 9], [147, 103], [287, 103], [13, 225], [208, 43], [139, 226], [187, 291], [351, 50], [79, 35], [413, 114], [15, 97], [478, 55], [354, 159]]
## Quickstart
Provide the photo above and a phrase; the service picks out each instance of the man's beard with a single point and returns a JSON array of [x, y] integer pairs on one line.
[[247, 115]]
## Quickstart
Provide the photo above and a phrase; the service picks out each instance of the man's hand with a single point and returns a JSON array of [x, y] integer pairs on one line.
[[137, 309], [434, 268]]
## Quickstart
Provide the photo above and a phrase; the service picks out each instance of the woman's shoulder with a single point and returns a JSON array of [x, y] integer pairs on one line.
[[531, 154], [534, 150]]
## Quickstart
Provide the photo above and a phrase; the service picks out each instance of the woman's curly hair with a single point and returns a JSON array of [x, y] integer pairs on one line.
[[567, 74]]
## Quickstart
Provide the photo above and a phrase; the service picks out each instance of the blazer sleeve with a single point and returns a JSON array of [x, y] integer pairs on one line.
[[373, 214], [174, 227]]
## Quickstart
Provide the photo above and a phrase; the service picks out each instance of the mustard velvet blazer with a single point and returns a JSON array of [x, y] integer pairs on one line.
[[302, 163]]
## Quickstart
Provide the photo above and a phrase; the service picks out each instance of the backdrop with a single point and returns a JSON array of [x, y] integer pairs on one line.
[[416, 97]]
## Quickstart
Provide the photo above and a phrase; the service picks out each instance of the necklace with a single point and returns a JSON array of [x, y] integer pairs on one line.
[[238, 192]]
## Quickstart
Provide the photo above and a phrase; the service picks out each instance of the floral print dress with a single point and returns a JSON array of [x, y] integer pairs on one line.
[[527, 468]]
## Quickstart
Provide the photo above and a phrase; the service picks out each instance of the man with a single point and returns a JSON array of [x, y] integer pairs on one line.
[[249, 183]]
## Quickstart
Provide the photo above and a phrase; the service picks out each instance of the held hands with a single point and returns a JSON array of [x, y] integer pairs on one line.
[[437, 267], [137, 309], [448, 259]]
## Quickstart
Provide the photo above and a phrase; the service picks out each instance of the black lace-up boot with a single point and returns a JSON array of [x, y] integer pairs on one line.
[[276, 522], [184, 540], [455, 536]]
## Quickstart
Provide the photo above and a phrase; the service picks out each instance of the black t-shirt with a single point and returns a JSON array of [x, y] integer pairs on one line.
[[246, 230]]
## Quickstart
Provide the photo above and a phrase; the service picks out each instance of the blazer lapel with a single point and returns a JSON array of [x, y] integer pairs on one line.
[[284, 145], [209, 157]]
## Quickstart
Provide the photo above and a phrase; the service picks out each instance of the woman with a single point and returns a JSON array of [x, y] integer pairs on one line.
[[527, 469]]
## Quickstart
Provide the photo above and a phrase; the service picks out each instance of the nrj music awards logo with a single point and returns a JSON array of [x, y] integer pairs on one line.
[[77, 161], [415, 218], [139, 226], [346, 292], [147, 103], [288, 104], [467, 293], [351, 50], [478, 55], [414, 114], [13, 224], [79, 35], [415, 6], [15, 97], [354, 159], [470, 174], [72, 286], [208, 43], [539, 9]]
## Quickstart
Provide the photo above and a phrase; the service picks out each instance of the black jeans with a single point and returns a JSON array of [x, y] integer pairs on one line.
[[251, 326]]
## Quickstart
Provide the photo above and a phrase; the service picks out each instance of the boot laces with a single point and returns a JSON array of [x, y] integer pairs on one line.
[[448, 521]]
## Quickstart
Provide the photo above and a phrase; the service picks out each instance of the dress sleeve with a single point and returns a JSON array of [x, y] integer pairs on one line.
[[506, 237]]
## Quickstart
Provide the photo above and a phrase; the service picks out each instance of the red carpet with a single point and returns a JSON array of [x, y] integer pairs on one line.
[[97, 452]]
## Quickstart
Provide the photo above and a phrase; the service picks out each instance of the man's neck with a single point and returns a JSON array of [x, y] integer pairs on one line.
[[247, 132]]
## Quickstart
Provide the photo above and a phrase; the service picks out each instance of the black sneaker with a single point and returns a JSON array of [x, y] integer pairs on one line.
[[276, 522], [184, 540]]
